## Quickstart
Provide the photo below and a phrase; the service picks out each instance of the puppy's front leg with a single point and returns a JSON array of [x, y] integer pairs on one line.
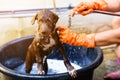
[[29, 62], [40, 67], [67, 63]]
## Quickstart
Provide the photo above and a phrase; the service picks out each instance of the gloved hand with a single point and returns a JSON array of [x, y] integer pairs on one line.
[[68, 36], [85, 8]]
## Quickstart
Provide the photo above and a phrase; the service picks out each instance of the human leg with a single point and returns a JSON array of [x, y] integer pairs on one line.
[[115, 75], [116, 24]]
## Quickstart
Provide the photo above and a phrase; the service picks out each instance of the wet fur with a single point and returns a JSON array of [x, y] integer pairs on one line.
[[43, 43]]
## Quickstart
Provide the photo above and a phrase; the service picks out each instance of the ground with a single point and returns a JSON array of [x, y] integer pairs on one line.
[[108, 65]]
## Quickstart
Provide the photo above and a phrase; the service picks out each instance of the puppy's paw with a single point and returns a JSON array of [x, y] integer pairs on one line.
[[73, 73], [42, 72]]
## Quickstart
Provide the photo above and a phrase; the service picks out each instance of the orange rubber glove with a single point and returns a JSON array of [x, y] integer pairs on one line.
[[69, 37], [85, 8]]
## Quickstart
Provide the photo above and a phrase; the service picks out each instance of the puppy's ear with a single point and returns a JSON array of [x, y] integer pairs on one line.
[[55, 18], [34, 18]]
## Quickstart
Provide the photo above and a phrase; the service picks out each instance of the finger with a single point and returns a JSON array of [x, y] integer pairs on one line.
[[82, 8], [73, 13], [80, 5], [86, 12], [63, 40], [63, 35], [60, 28], [74, 10]]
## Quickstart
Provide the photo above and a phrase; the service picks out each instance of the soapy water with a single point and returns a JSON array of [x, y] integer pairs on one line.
[[79, 57], [54, 67]]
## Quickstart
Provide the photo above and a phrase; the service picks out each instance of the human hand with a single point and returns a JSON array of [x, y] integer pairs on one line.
[[85, 8], [67, 36]]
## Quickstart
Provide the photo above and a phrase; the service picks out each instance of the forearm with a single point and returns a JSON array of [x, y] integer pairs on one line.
[[107, 37], [113, 5], [101, 40]]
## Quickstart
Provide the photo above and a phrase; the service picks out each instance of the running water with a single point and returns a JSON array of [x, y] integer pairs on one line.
[[54, 67]]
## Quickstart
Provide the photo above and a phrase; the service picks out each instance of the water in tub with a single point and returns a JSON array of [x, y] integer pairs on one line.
[[54, 67]]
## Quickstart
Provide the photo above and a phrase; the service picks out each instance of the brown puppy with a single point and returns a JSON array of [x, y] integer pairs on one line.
[[45, 40]]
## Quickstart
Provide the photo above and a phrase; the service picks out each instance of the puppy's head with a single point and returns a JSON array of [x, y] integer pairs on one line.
[[46, 21]]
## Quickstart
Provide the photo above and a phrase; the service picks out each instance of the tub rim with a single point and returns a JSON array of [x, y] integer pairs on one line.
[[14, 73]]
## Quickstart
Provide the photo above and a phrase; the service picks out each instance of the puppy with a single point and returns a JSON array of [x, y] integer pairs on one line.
[[45, 40]]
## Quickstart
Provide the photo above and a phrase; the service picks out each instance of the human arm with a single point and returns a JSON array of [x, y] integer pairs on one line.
[[85, 8], [67, 36], [108, 37], [113, 5], [105, 38]]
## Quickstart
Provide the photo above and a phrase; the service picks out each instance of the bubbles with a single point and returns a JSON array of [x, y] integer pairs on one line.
[[54, 67]]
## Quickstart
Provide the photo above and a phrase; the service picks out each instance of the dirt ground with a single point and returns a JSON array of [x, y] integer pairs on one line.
[[108, 65]]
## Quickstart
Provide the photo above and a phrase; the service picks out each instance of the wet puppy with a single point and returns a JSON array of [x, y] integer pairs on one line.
[[46, 39]]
